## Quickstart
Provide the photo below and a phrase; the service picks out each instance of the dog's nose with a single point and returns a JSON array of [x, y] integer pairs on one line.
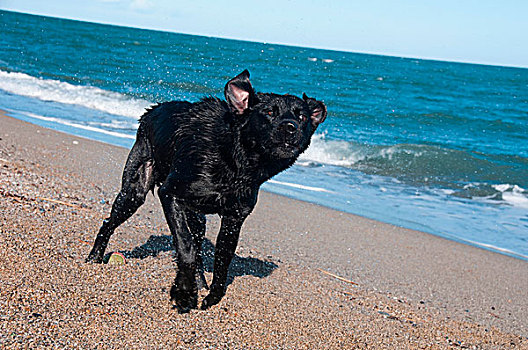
[[288, 128]]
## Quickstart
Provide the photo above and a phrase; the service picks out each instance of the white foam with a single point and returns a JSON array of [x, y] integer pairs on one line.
[[340, 153], [347, 154], [117, 124], [82, 95], [513, 195], [79, 126], [447, 191], [502, 187], [302, 187], [515, 199]]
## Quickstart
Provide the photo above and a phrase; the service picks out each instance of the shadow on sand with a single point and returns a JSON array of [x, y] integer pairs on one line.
[[240, 266]]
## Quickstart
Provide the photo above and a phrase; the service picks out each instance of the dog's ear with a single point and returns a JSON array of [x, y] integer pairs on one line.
[[318, 109], [239, 93]]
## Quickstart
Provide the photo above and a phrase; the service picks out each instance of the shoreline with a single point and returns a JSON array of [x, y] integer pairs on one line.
[[453, 285], [73, 131]]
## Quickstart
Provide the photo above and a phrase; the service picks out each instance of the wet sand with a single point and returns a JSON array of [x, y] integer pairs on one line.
[[305, 277]]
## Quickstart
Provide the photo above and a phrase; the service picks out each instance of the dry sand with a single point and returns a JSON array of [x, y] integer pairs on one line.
[[414, 290]]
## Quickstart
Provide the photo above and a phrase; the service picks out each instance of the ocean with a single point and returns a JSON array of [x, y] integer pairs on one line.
[[434, 146]]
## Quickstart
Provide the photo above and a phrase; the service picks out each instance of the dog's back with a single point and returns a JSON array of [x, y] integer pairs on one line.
[[193, 133]]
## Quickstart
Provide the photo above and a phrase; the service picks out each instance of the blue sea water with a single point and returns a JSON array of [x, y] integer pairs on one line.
[[435, 146]]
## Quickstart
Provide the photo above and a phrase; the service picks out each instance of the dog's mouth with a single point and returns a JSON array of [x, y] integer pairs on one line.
[[286, 149]]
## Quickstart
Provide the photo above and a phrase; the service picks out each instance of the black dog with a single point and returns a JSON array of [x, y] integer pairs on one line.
[[210, 157]]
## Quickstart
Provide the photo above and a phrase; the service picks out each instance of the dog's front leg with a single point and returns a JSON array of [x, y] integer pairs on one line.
[[226, 244], [184, 291]]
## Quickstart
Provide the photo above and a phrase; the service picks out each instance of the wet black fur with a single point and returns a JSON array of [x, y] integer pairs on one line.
[[210, 157]]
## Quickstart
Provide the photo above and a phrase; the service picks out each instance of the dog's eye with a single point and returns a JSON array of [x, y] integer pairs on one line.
[[303, 118], [272, 112]]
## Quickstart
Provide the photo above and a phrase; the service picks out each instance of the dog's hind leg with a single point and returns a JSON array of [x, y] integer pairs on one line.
[[196, 222], [137, 181]]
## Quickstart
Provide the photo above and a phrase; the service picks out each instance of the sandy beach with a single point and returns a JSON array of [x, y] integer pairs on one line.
[[305, 277]]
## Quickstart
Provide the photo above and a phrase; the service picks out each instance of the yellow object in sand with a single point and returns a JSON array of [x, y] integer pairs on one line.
[[117, 259]]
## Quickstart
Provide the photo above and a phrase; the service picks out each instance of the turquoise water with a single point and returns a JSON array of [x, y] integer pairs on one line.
[[435, 146]]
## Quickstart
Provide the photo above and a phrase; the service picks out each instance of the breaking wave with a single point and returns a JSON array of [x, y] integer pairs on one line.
[[459, 173], [81, 95]]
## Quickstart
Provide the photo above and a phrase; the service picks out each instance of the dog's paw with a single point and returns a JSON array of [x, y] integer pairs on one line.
[[184, 292], [96, 255], [94, 259], [183, 300], [211, 299]]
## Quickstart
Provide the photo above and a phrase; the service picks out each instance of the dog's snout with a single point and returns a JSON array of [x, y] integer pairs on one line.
[[289, 128]]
